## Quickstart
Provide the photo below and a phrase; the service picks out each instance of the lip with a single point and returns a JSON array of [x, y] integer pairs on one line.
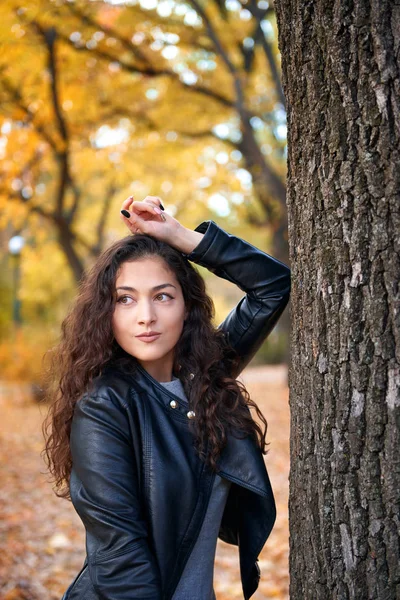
[[149, 337]]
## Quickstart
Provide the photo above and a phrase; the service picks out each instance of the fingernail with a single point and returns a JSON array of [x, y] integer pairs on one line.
[[125, 213], [161, 206], [163, 217], [157, 210]]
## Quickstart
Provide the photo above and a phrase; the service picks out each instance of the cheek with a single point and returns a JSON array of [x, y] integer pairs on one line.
[[117, 324], [179, 321]]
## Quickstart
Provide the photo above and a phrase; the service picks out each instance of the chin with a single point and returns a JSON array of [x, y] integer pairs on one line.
[[148, 355]]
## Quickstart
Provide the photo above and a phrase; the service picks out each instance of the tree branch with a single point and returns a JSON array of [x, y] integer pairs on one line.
[[259, 14], [49, 36], [240, 101], [107, 201], [150, 71], [18, 100], [66, 180]]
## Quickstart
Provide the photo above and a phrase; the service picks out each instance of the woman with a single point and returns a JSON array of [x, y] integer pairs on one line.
[[151, 434]]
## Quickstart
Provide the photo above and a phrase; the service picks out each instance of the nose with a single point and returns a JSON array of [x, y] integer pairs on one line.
[[146, 313]]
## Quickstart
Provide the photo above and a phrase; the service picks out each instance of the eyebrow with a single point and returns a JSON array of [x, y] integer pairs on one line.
[[154, 289]]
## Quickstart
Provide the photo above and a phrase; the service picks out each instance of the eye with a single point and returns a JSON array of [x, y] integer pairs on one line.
[[127, 300], [124, 300]]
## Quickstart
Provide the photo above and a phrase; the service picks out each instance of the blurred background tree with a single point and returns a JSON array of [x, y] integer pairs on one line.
[[100, 100]]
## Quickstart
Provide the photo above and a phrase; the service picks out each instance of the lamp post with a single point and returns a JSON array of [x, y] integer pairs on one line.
[[15, 246]]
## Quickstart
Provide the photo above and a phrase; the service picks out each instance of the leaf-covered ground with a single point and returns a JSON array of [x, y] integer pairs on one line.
[[42, 538]]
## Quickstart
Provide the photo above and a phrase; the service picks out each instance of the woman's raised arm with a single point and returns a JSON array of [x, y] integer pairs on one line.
[[264, 279]]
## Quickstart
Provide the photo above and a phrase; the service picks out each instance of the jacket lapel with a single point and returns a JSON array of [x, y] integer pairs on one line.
[[250, 511], [242, 462]]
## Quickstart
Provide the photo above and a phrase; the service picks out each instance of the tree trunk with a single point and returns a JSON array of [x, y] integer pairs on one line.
[[340, 66], [65, 239]]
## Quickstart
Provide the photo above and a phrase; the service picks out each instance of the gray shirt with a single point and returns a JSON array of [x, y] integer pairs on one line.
[[196, 581]]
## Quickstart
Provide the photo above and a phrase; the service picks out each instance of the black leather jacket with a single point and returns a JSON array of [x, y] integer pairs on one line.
[[137, 484]]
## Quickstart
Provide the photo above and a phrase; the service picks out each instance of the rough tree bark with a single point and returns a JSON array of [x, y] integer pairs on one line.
[[341, 65]]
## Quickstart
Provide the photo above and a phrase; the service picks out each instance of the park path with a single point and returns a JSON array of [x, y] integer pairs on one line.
[[42, 538]]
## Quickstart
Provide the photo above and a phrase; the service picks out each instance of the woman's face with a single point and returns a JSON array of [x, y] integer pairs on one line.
[[149, 299]]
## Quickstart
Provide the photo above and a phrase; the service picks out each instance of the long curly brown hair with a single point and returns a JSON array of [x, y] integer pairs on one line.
[[87, 346]]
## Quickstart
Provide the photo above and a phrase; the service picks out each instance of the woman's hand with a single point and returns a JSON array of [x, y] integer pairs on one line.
[[148, 217]]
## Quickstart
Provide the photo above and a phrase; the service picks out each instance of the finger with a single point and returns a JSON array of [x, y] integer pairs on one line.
[[127, 203], [145, 207], [155, 200], [132, 225]]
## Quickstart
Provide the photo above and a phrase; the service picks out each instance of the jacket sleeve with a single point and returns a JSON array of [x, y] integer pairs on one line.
[[105, 493], [264, 279]]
